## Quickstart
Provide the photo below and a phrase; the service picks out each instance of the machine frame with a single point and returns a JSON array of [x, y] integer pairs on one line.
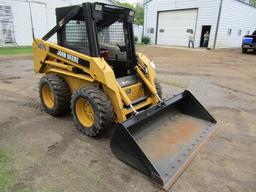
[[80, 70]]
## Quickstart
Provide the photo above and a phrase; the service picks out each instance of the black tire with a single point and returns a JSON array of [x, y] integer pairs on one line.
[[158, 88], [244, 50], [102, 110], [61, 95]]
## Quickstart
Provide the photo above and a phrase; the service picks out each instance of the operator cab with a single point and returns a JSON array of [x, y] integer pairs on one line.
[[101, 30]]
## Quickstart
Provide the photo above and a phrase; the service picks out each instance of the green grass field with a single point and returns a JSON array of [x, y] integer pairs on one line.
[[28, 50], [7, 178], [15, 50]]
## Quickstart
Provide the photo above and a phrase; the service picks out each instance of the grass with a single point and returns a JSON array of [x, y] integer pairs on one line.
[[15, 50], [28, 49], [7, 178]]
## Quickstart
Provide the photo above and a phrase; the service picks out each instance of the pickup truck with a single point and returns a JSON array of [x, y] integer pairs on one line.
[[249, 42]]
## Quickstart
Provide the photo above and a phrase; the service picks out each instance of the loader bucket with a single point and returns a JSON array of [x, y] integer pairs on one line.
[[162, 140]]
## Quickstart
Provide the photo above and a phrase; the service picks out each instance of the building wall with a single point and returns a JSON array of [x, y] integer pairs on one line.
[[207, 15], [6, 24], [22, 22], [138, 32], [235, 16], [43, 14]]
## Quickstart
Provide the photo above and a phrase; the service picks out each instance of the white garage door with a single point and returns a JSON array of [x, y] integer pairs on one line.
[[173, 26]]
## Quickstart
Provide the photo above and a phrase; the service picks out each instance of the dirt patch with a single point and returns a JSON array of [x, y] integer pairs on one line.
[[8, 80], [9, 122], [34, 104], [49, 154], [8, 58]]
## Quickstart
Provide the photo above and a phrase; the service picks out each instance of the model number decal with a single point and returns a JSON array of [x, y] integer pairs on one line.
[[68, 56]]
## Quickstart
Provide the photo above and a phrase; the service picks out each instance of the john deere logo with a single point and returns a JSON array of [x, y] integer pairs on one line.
[[68, 56]]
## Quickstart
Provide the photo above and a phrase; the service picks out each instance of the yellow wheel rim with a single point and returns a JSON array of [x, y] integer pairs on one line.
[[84, 112], [48, 96]]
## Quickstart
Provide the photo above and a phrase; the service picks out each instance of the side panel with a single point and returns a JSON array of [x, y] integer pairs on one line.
[[52, 58], [94, 70], [76, 83]]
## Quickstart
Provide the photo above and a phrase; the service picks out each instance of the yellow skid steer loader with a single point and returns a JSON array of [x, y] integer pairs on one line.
[[94, 71]]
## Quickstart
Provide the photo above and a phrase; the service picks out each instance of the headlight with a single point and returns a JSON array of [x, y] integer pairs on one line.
[[153, 64], [98, 7], [131, 13]]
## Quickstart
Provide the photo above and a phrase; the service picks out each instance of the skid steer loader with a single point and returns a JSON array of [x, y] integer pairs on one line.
[[94, 71]]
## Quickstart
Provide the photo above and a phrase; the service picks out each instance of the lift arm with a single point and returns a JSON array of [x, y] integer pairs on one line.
[[62, 22]]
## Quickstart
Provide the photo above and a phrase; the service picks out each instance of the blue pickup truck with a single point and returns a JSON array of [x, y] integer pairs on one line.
[[249, 42]]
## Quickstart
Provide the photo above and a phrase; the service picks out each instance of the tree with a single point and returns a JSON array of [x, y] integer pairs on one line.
[[138, 9], [139, 17], [253, 2]]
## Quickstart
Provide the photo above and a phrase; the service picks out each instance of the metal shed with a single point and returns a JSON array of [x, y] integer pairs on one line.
[[167, 22]]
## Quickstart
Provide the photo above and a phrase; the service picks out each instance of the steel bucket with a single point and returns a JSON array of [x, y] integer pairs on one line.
[[162, 140]]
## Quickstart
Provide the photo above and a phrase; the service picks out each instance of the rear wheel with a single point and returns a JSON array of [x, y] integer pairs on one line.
[[55, 95], [91, 110]]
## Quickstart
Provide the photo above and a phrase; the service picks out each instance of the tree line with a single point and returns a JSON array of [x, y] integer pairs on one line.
[[138, 7], [253, 2]]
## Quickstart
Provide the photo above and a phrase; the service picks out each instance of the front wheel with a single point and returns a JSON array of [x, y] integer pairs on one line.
[[91, 110]]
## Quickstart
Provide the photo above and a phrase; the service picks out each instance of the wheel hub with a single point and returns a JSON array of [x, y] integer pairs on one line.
[[84, 112], [48, 96]]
